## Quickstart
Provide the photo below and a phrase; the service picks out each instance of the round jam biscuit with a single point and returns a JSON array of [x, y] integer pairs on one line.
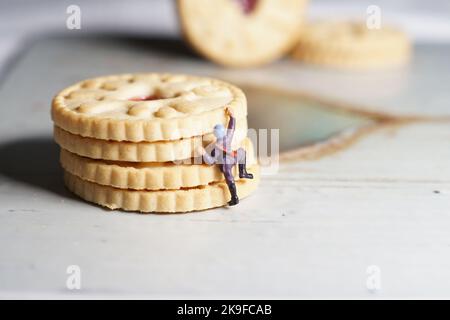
[[146, 107], [158, 151], [241, 33], [162, 201], [146, 175], [345, 44]]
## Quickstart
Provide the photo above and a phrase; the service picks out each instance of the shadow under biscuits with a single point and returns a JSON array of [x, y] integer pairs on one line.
[[34, 161]]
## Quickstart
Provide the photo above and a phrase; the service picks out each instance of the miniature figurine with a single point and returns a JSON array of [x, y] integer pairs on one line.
[[223, 155]]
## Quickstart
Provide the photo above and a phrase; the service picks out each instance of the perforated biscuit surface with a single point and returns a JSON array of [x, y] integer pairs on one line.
[[146, 107]]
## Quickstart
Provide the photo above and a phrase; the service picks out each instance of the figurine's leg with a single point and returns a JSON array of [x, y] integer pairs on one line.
[[229, 179], [241, 160]]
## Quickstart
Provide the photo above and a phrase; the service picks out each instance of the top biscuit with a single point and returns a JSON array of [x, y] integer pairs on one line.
[[146, 107], [241, 33]]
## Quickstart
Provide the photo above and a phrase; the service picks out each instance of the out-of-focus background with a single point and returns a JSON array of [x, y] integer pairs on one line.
[[424, 21]]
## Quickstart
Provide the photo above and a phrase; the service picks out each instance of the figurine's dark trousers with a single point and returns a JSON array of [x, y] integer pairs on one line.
[[230, 160]]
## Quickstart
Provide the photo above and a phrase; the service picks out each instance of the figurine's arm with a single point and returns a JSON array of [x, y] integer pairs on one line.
[[210, 160], [231, 125]]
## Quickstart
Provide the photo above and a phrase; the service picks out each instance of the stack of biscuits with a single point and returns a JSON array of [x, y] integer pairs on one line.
[[131, 141]]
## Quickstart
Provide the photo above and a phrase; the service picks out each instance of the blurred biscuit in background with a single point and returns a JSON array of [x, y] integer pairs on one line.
[[242, 33], [352, 45]]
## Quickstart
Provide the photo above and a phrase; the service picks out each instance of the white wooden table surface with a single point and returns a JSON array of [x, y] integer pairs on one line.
[[310, 231]]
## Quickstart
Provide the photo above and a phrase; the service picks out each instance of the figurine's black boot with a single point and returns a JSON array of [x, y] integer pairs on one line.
[[234, 198], [243, 172], [234, 201]]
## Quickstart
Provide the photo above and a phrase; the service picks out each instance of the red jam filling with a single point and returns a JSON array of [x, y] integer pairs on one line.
[[248, 5], [147, 98]]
